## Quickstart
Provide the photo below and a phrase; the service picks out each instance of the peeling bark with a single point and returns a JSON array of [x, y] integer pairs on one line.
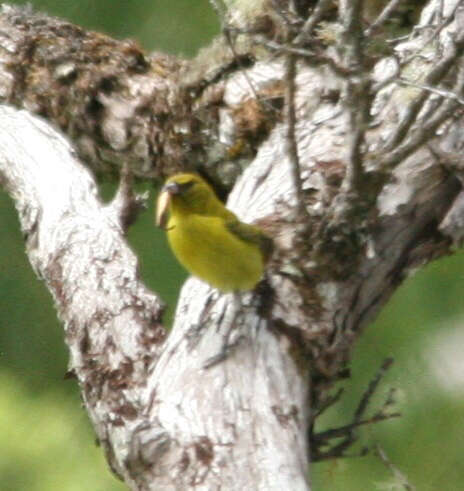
[[376, 193]]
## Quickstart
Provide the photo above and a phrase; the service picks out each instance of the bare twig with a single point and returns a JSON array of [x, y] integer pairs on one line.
[[292, 147], [400, 478], [338, 451], [383, 17], [320, 440], [281, 48], [350, 14], [434, 90], [357, 88], [322, 406], [424, 130], [371, 388], [436, 74], [227, 30], [358, 124], [318, 13], [419, 137], [345, 430], [310, 56], [227, 34]]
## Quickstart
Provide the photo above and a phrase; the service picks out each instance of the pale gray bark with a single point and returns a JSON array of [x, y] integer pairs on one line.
[[165, 421], [381, 199]]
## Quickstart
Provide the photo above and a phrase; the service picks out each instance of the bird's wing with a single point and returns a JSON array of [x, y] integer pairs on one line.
[[250, 233]]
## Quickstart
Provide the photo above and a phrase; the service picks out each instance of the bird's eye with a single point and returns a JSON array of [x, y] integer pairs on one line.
[[185, 186]]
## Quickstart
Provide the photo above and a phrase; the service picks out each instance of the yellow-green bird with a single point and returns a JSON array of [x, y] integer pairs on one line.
[[207, 238]]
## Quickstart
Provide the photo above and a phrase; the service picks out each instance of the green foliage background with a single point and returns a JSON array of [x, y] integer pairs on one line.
[[46, 441]]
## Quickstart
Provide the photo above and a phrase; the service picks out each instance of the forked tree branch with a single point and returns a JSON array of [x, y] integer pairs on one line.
[[163, 420]]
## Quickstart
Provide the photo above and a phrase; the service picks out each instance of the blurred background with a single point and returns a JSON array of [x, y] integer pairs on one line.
[[46, 441]]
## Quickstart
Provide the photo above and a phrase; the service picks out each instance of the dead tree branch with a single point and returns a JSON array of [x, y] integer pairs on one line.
[[134, 383], [348, 433]]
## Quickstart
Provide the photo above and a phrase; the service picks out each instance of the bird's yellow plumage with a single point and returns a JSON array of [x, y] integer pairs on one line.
[[207, 238]]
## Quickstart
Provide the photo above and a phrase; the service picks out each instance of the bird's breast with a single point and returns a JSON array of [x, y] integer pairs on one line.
[[207, 249]]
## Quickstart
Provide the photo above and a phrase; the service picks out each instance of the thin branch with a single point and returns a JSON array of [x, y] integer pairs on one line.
[[350, 14], [434, 77], [398, 475], [358, 125], [338, 451], [418, 138], [383, 17], [447, 94], [348, 429], [282, 48], [357, 88], [322, 406], [318, 13], [347, 432], [310, 56], [371, 388], [424, 130], [292, 147], [227, 34], [221, 11]]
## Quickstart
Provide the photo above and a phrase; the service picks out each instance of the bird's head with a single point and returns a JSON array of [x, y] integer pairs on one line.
[[184, 193]]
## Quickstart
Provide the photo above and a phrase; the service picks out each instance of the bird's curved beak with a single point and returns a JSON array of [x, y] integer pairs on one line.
[[162, 209], [171, 188], [162, 205]]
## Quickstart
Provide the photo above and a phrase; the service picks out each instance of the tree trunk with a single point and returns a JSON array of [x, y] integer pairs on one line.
[[351, 161]]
